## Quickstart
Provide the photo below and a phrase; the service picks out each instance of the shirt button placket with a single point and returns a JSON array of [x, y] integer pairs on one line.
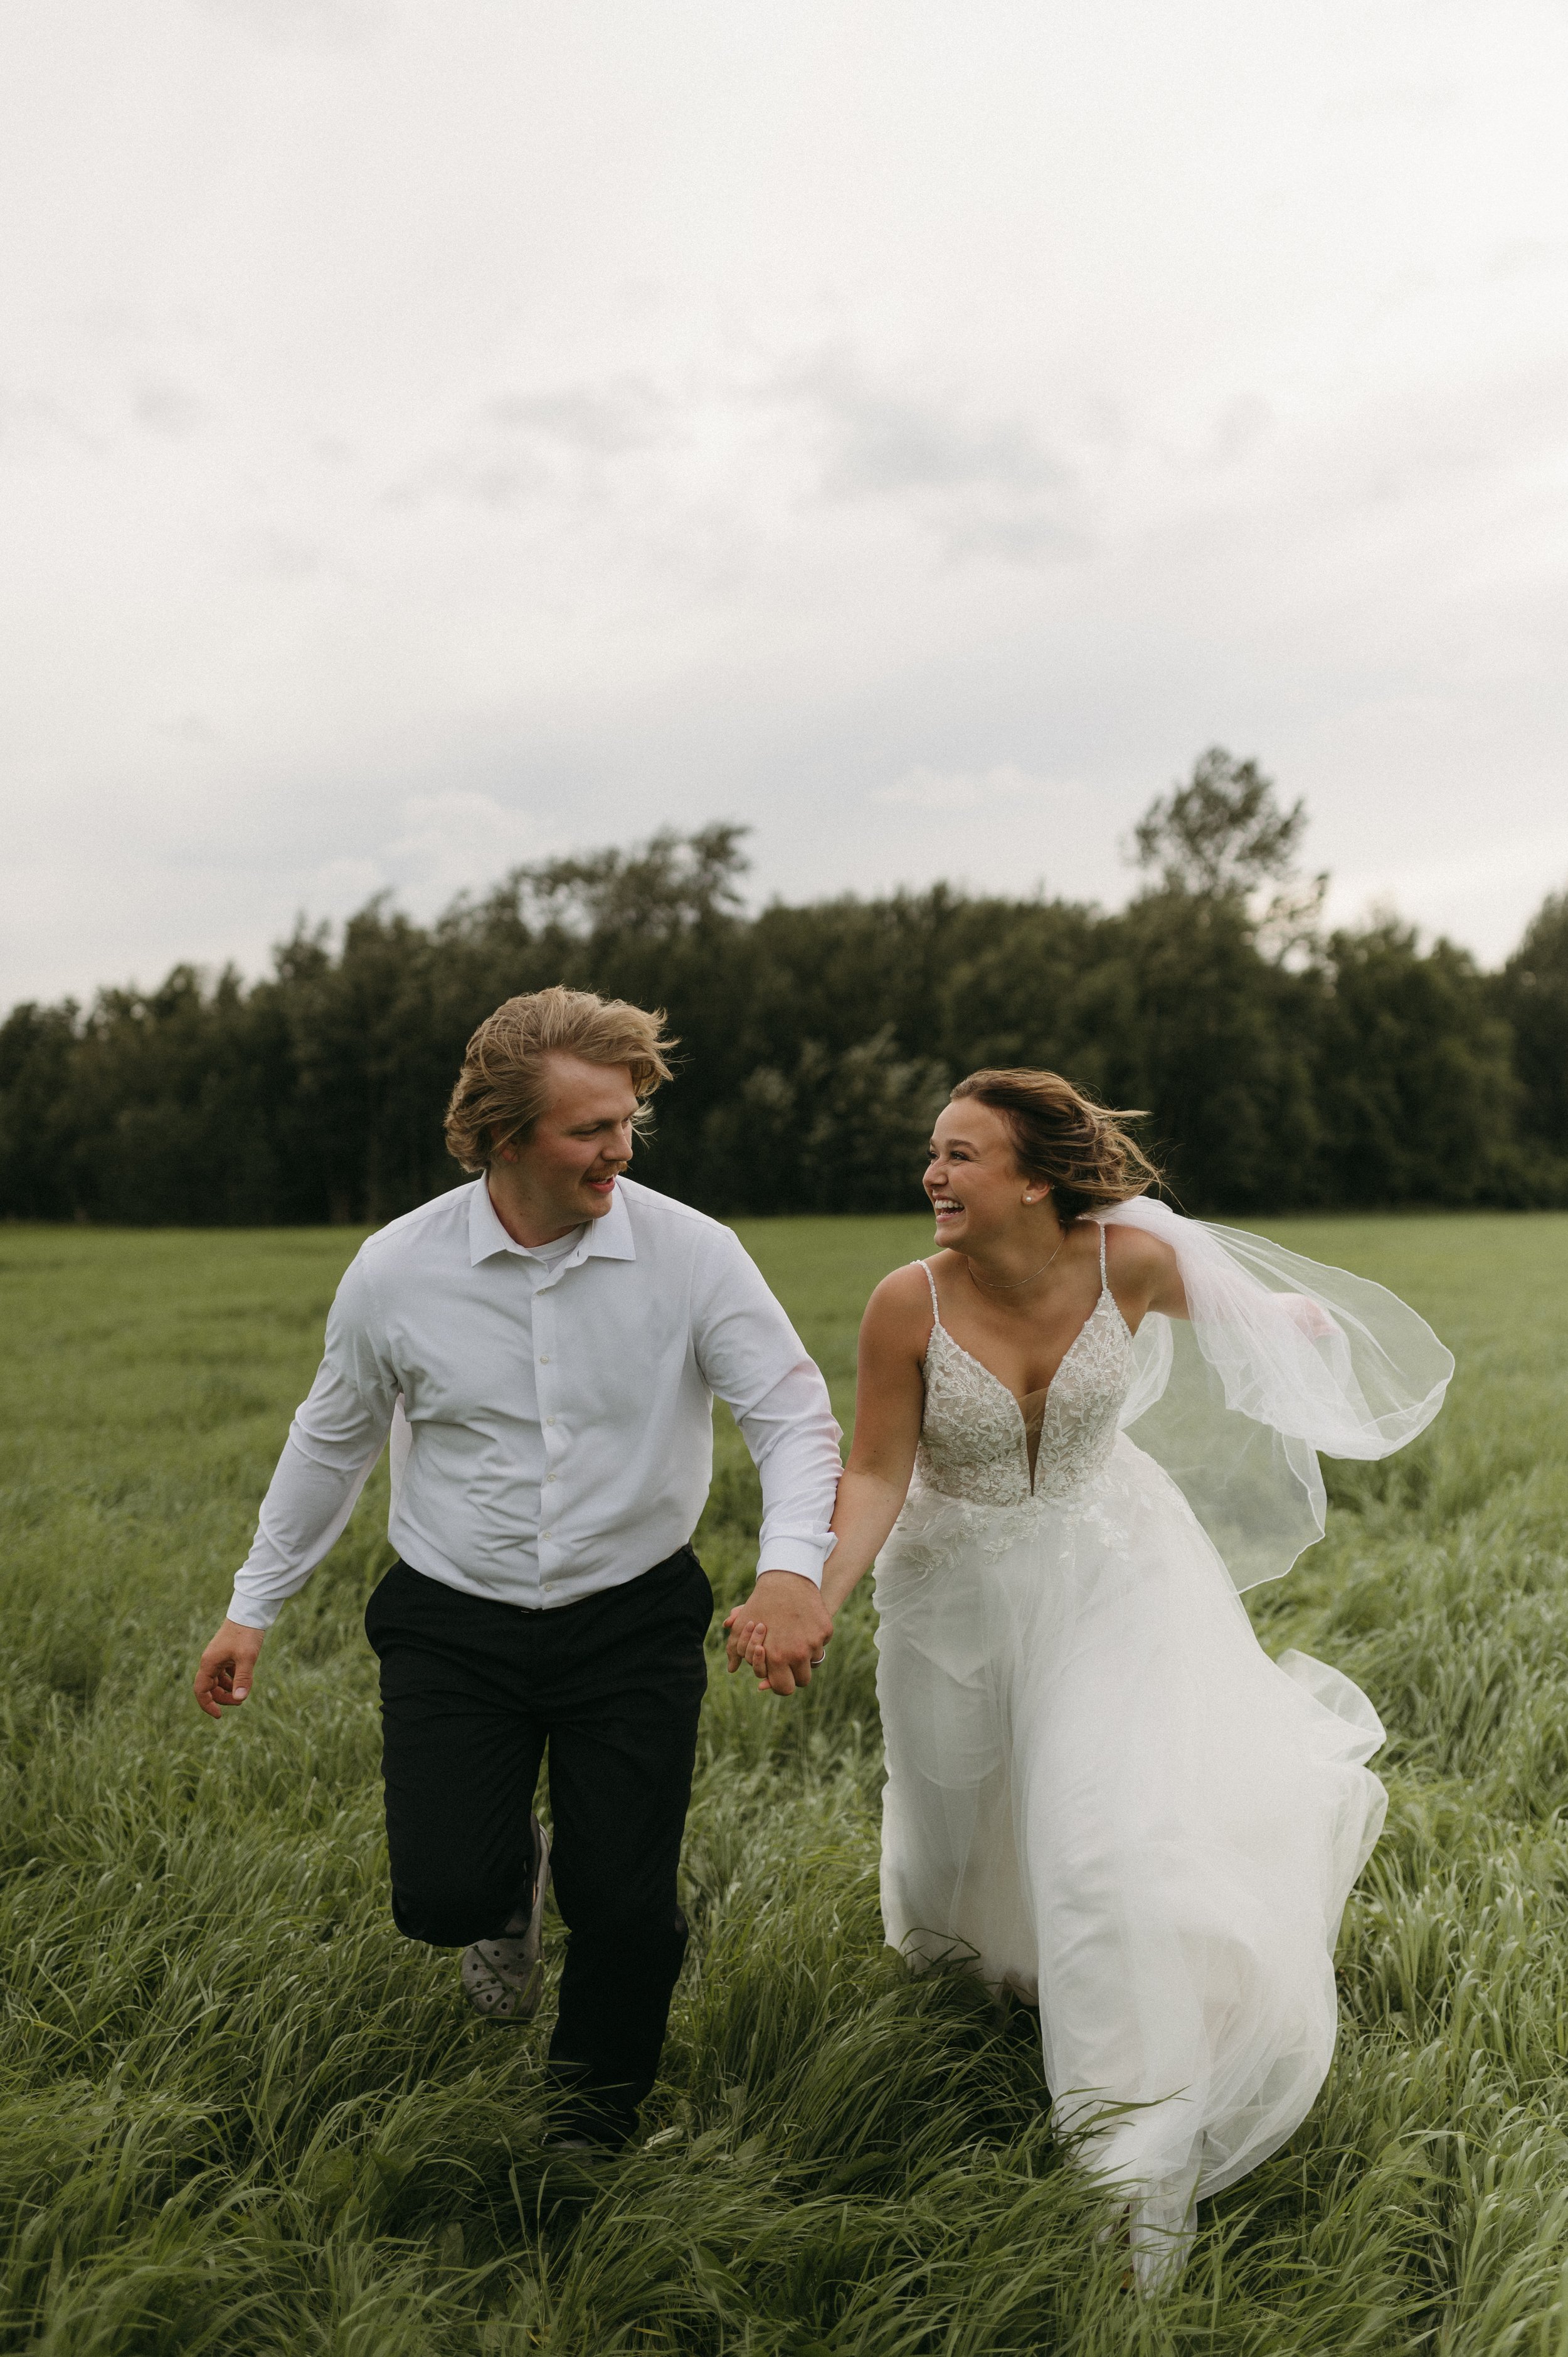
[[544, 1386]]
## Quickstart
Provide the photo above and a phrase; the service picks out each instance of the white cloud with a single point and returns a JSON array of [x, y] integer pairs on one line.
[[447, 840], [343, 883], [1476, 884]]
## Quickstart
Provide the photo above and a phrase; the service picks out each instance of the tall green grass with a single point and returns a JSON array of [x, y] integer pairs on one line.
[[238, 2114]]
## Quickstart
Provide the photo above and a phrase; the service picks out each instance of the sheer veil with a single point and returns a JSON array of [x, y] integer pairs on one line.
[[1283, 1357]]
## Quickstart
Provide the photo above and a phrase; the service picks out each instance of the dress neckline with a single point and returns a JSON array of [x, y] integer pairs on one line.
[[991, 1375], [1043, 1396]]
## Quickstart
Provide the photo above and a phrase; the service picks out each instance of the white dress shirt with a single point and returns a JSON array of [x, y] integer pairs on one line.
[[550, 1411]]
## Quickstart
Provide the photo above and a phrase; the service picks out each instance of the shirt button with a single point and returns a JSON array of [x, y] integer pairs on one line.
[[550, 1419], [544, 1358]]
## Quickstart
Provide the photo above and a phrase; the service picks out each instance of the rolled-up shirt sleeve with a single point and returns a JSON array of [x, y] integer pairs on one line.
[[753, 1359], [337, 1435]]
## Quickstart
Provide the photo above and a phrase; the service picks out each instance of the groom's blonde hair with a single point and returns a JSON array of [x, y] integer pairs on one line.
[[1078, 1148], [504, 1084]]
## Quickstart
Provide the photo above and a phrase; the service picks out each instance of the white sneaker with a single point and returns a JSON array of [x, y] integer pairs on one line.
[[503, 1979]]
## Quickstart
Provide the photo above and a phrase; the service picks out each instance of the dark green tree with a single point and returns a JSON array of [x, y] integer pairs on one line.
[[1277, 1068], [1415, 1077], [1224, 832], [1533, 999], [39, 1056]]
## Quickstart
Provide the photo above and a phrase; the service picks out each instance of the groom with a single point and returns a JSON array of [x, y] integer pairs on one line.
[[542, 1347]]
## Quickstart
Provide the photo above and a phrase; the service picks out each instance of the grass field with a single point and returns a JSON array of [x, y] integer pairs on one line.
[[238, 2114]]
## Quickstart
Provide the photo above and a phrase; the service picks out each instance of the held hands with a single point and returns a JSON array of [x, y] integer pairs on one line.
[[228, 1668], [780, 1632]]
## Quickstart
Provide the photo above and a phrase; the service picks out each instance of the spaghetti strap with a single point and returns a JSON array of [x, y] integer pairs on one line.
[[930, 1280], [1101, 1225]]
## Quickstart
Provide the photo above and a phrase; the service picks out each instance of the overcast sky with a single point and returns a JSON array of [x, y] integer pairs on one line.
[[437, 432]]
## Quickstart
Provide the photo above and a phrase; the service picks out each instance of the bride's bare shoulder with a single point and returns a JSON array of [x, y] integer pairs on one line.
[[1135, 1253], [899, 1312], [1143, 1270]]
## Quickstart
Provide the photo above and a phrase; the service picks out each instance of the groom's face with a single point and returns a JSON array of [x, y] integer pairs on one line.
[[580, 1144]]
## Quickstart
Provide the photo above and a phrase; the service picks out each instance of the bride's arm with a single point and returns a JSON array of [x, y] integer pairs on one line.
[[888, 1403], [1144, 1274]]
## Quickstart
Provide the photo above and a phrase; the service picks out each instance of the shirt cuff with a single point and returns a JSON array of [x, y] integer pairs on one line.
[[803, 1556], [249, 1612]]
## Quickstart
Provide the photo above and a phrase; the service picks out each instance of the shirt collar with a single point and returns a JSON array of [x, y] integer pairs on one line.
[[609, 1238]]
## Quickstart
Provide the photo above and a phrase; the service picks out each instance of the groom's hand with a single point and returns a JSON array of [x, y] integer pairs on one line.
[[228, 1668], [799, 1624]]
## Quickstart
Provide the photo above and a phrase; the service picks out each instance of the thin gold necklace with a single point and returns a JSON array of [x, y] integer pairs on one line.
[[1013, 1283]]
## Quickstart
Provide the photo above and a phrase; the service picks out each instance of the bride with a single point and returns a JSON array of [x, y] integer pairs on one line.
[[1080, 1427]]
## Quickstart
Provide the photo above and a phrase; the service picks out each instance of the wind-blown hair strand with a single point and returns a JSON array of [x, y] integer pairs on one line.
[[1078, 1148], [504, 1084]]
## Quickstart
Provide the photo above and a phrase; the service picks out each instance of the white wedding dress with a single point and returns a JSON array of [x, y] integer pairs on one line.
[[1101, 1792]]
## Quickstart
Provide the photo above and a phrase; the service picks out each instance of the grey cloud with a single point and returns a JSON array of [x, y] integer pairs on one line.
[[1235, 430], [1240, 425], [600, 421], [881, 442], [189, 729], [517, 444], [305, 24], [1523, 257], [1421, 99], [1022, 535], [33, 420], [1506, 428], [475, 478], [272, 555], [985, 485], [167, 409]]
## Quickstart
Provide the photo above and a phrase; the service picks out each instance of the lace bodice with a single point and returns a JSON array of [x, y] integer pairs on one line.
[[974, 1441]]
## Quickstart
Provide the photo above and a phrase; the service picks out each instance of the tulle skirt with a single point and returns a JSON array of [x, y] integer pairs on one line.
[[1103, 1794]]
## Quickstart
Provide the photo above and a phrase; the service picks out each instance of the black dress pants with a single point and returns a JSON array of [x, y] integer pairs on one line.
[[473, 1694]]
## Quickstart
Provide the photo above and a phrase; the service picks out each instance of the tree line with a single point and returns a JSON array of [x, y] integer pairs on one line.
[[1283, 1065]]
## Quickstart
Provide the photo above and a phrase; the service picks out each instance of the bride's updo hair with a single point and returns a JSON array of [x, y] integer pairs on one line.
[[1077, 1149]]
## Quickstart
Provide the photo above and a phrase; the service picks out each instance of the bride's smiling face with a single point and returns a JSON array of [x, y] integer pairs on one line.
[[975, 1186]]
